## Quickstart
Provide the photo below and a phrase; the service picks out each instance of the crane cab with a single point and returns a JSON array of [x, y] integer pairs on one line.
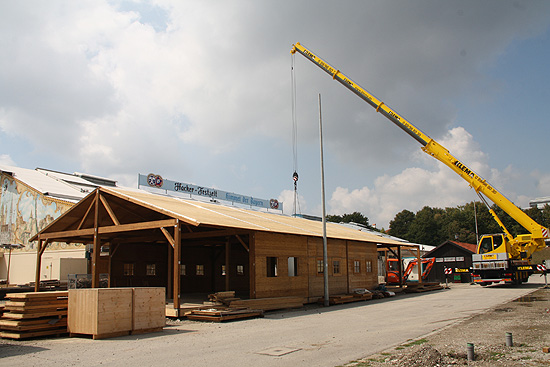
[[492, 243]]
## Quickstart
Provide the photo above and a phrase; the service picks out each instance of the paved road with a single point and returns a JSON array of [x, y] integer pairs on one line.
[[316, 336]]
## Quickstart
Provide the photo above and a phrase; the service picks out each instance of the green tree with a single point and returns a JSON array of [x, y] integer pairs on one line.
[[426, 227], [399, 226], [434, 226], [355, 217]]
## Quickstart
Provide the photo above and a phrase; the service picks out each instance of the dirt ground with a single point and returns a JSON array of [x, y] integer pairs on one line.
[[527, 318]]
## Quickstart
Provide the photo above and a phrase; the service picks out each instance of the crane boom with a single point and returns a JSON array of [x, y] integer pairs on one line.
[[520, 247]]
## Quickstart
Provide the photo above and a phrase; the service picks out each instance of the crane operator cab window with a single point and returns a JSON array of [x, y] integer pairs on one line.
[[486, 245], [490, 243], [497, 241]]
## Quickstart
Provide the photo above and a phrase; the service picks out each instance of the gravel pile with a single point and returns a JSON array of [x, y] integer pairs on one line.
[[527, 318]]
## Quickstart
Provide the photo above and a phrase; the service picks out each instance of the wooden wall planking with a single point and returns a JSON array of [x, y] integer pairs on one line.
[[362, 252], [337, 283], [281, 246], [309, 283]]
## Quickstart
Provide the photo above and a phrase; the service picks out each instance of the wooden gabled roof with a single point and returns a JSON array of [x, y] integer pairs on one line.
[[128, 213]]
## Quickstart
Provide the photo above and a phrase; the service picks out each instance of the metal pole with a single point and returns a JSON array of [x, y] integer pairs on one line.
[[325, 247], [475, 217]]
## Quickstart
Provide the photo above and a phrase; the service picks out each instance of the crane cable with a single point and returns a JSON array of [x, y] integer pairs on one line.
[[296, 203]]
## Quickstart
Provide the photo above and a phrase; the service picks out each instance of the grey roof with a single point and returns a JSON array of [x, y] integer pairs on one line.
[[59, 185]]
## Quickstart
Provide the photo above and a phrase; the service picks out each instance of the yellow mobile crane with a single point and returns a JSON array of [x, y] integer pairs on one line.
[[500, 257]]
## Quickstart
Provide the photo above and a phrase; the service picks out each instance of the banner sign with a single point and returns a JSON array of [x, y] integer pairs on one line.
[[156, 181]]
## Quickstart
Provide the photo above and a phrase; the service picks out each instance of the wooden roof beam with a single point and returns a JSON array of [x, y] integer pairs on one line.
[[168, 236], [109, 210], [108, 229], [242, 243], [86, 215], [214, 233]]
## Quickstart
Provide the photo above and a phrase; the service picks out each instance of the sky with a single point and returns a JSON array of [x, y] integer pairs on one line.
[[201, 92]]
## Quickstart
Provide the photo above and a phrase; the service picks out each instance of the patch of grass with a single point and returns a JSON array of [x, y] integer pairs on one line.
[[495, 356], [416, 342]]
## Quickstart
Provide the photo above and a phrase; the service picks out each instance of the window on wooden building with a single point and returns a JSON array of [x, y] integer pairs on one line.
[[292, 266], [368, 267], [129, 269], [357, 266], [151, 269], [199, 270], [183, 269], [240, 269], [223, 270], [336, 267], [320, 266], [271, 264]]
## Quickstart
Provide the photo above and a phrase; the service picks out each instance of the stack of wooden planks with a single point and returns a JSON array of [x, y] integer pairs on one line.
[[224, 298], [268, 304], [30, 315], [219, 314], [423, 287], [346, 298]]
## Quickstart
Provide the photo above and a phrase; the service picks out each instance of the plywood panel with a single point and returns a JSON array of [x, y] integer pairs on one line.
[[100, 311], [149, 308]]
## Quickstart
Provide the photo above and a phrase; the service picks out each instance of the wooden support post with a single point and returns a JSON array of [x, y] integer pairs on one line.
[[400, 266], [110, 265], [177, 257], [95, 260], [38, 266], [227, 260], [347, 267], [252, 264], [170, 250], [97, 244]]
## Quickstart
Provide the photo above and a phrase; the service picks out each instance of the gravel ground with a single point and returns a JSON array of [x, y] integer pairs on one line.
[[527, 318]]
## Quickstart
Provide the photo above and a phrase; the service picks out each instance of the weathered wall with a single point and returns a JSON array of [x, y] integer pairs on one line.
[[23, 213]]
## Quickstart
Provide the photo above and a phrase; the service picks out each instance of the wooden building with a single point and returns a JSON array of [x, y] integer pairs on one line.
[[191, 246], [454, 255]]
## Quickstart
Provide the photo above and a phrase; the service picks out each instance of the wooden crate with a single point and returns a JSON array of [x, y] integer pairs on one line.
[[110, 312], [100, 312], [149, 310]]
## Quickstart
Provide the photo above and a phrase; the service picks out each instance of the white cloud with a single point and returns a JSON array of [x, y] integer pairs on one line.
[[287, 198], [177, 87], [6, 160], [416, 187]]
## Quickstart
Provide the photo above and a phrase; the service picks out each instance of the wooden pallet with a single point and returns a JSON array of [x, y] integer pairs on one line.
[[31, 315], [347, 298], [223, 314], [424, 287], [268, 304]]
